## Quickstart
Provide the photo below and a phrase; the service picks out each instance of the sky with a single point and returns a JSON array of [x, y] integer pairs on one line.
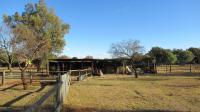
[[96, 24]]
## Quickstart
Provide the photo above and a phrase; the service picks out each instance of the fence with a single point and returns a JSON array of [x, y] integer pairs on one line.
[[188, 68], [2, 74], [52, 101], [81, 73], [29, 76]]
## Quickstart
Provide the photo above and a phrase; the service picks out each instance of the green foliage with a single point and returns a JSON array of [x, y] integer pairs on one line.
[[183, 57], [44, 24], [196, 53], [163, 56], [171, 58]]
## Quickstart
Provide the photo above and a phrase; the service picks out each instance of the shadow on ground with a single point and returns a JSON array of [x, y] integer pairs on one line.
[[105, 110], [8, 104], [138, 79]]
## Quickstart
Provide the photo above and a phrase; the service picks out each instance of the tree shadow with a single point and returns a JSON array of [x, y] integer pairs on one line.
[[10, 87], [6, 109], [138, 79], [8, 104], [88, 109]]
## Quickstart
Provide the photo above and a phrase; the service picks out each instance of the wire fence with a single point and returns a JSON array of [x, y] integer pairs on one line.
[[187, 68]]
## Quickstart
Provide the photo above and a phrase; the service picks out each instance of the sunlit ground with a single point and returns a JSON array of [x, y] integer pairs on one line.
[[125, 93]]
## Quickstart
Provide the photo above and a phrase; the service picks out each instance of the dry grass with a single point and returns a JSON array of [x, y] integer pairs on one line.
[[12, 94], [125, 93], [195, 68]]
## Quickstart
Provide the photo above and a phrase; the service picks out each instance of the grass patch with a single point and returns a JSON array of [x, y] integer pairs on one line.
[[13, 96], [125, 93]]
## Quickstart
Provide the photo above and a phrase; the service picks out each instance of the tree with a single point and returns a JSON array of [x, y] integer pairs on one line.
[[196, 53], [26, 47], [64, 57], [75, 58], [183, 57], [170, 57], [6, 48], [88, 57], [44, 24], [127, 49], [162, 56]]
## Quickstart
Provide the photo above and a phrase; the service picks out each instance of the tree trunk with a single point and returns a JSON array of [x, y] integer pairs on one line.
[[38, 67], [134, 68], [23, 80], [9, 67]]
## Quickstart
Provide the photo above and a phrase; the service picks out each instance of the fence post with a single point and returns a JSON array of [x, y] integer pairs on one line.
[[31, 77], [190, 68], [3, 77], [170, 68], [58, 93]]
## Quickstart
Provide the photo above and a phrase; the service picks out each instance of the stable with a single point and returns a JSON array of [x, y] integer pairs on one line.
[[107, 66]]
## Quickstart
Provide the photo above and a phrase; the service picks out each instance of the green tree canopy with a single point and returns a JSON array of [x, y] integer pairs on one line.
[[162, 56], [183, 56], [44, 24], [196, 53]]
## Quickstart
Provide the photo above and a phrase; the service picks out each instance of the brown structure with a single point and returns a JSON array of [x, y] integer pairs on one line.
[[107, 66]]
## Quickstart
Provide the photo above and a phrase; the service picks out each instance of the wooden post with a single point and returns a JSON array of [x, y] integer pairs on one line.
[[70, 66], [3, 77], [47, 68], [31, 77], [58, 93], [92, 68], [63, 67], [170, 68], [123, 68], [190, 68]]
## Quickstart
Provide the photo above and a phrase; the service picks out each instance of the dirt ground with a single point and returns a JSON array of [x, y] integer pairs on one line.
[[123, 93]]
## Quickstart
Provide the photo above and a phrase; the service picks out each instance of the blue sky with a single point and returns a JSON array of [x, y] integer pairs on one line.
[[96, 24]]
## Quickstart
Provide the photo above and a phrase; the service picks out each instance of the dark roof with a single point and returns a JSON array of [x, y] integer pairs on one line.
[[84, 60]]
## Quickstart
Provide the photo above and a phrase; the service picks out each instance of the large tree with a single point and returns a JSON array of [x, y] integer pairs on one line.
[[6, 48], [162, 56], [127, 49], [44, 25], [26, 47], [183, 56], [196, 53]]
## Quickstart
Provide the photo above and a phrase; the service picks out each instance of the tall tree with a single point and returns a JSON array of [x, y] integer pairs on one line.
[[183, 56], [88, 57], [162, 56], [127, 49], [44, 24], [196, 53], [26, 47], [6, 48]]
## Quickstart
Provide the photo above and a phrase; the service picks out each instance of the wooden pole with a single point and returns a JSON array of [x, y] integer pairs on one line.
[[31, 77], [123, 68], [63, 67], [3, 77], [170, 68], [190, 68]]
